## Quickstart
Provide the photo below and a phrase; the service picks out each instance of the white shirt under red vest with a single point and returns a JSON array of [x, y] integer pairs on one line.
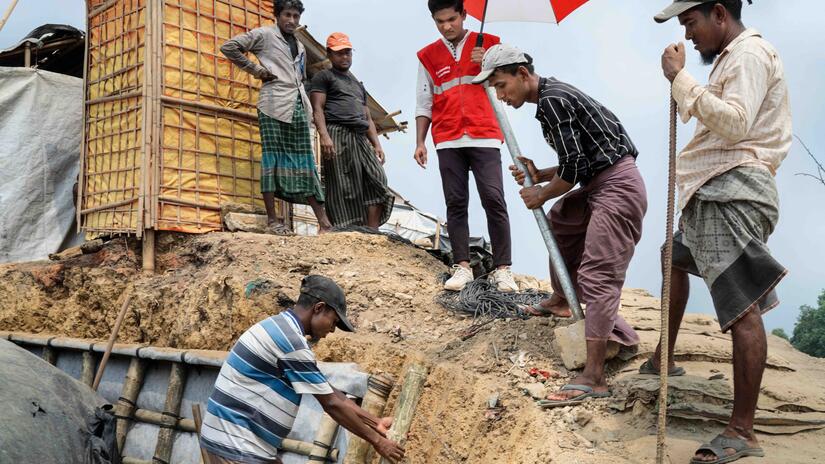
[[446, 77]]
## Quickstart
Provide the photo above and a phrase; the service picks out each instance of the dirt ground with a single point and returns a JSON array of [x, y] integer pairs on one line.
[[208, 289]]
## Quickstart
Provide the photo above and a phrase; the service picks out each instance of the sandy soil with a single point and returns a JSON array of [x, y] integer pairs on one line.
[[209, 289]]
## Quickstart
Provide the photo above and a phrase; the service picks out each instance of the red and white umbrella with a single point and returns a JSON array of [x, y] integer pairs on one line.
[[539, 11]]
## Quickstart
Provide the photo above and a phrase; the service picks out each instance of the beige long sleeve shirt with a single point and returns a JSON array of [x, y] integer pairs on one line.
[[278, 96], [743, 114]]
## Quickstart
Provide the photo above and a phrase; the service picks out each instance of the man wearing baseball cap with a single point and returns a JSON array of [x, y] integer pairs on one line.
[[256, 396], [357, 190], [598, 225], [728, 196]]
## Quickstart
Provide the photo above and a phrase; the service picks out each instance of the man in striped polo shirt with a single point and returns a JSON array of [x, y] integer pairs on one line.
[[597, 225], [256, 396]]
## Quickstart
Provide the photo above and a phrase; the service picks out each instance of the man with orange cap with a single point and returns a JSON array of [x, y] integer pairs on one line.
[[356, 184]]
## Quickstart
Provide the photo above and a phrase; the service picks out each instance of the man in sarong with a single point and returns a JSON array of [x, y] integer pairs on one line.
[[288, 168], [728, 196], [357, 191], [598, 225]]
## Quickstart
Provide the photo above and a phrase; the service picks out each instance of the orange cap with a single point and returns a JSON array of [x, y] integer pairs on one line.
[[338, 41]]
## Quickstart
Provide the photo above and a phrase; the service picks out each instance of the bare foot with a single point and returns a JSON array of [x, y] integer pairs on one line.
[[707, 456], [597, 386], [553, 306]]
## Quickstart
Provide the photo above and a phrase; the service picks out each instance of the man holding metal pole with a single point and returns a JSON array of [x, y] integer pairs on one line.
[[596, 226]]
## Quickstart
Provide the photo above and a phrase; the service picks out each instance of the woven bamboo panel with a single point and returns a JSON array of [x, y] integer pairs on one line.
[[112, 158], [171, 125]]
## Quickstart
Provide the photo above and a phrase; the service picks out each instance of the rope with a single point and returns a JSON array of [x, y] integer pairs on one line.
[[666, 266]]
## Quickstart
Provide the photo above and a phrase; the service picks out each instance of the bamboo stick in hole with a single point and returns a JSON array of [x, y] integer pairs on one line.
[[378, 391], [407, 402]]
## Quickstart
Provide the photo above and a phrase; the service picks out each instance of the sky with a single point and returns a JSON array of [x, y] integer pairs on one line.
[[610, 50]]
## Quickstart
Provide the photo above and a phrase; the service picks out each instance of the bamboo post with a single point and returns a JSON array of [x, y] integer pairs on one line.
[[171, 412], [148, 251], [49, 355], [87, 372], [324, 439], [112, 338], [407, 402], [126, 404], [378, 391], [196, 414]]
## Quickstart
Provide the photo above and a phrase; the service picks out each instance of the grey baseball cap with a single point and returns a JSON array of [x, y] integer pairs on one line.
[[326, 290], [496, 57], [678, 7]]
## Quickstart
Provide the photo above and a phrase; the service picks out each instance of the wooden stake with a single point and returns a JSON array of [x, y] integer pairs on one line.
[[407, 402], [324, 439], [379, 388], [171, 413], [112, 338], [126, 404]]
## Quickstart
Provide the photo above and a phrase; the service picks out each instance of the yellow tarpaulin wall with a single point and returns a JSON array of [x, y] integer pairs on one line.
[[202, 148]]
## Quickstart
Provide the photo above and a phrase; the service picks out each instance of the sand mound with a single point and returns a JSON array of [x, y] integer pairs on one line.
[[210, 288]]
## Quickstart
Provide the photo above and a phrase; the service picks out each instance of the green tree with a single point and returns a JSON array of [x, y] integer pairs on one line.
[[780, 332], [809, 333]]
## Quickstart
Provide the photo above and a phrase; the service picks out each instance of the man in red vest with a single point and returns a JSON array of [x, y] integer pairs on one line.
[[466, 137]]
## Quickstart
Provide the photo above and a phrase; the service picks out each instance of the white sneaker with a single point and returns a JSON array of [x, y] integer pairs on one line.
[[503, 280], [461, 277]]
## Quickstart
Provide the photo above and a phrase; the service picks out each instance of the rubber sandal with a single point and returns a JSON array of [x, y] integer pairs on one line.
[[579, 399], [647, 368], [718, 445]]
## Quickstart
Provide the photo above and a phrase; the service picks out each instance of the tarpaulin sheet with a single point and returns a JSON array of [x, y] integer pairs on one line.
[[40, 136]]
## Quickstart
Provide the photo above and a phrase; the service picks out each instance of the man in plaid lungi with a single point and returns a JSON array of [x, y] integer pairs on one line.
[[288, 168]]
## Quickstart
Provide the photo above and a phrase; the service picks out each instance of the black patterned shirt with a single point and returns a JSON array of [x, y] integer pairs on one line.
[[588, 137]]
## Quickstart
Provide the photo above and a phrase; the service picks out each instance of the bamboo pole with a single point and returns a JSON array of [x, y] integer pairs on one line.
[[49, 355], [378, 391], [115, 329], [407, 402], [126, 404], [171, 412], [196, 414], [7, 14], [148, 251], [324, 439], [87, 372]]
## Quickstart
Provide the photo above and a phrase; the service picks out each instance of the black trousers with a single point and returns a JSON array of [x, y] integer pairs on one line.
[[455, 165]]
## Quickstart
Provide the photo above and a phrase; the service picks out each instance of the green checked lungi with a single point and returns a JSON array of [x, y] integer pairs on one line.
[[287, 163], [355, 179]]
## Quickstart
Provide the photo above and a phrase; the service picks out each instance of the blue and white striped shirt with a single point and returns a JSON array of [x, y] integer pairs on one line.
[[258, 391]]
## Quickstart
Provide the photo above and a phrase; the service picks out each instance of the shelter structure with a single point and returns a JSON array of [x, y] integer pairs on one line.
[[171, 128]]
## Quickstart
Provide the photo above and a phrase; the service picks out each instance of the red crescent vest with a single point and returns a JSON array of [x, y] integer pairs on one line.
[[459, 107]]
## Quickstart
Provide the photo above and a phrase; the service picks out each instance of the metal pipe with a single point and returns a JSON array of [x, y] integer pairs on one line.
[[556, 260]]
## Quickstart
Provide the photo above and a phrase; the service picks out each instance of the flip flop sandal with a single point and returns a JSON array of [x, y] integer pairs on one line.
[[579, 399], [279, 229], [718, 445], [648, 368]]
